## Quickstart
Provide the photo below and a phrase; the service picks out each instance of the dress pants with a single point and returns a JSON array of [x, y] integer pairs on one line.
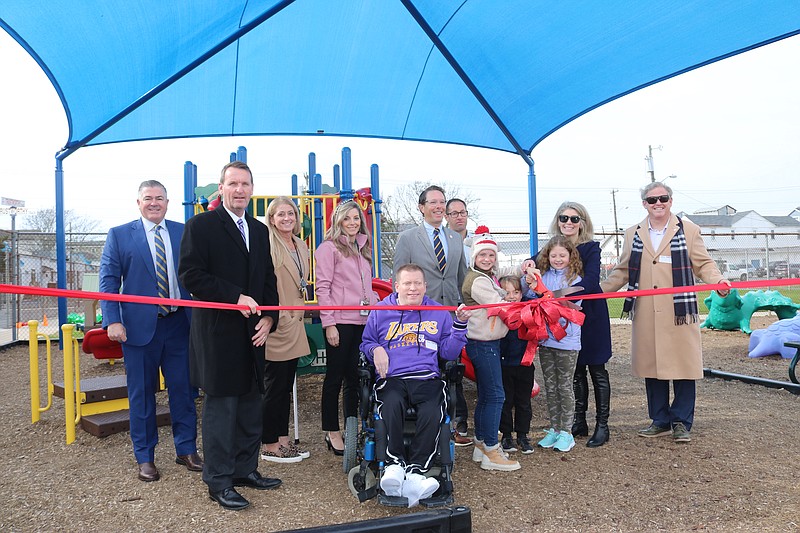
[[664, 414], [167, 350], [278, 380], [231, 437], [341, 365]]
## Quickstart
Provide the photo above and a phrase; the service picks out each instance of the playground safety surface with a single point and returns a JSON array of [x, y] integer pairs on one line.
[[738, 473]]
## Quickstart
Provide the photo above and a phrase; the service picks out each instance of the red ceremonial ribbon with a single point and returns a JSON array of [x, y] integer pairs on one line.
[[532, 319], [155, 300]]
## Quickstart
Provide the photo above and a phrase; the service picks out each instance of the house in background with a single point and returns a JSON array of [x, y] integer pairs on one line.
[[748, 238], [743, 239]]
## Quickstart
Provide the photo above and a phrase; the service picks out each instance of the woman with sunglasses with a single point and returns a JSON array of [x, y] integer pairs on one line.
[[665, 251], [573, 222], [343, 277]]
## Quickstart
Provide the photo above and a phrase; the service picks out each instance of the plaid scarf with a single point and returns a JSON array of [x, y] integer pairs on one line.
[[684, 303]]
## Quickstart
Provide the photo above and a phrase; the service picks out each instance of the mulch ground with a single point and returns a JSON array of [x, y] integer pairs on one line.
[[738, 473]]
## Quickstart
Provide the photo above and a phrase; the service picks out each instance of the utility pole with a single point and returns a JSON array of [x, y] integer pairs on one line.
[[616, 226], [650, 167]]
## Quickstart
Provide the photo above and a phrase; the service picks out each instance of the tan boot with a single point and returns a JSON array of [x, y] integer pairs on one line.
[[494, 459]]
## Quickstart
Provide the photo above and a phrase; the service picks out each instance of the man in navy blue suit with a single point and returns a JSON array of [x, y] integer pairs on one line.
[[141, 258]]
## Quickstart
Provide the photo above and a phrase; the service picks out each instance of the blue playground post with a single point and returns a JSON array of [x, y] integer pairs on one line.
[[294, 185], [312, 169], [241, 154], [377, 264], [336, 178], [346, 192], [319, 223], [189, 185]]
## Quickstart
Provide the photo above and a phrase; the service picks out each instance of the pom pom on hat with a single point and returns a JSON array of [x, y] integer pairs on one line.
[[482, 240]]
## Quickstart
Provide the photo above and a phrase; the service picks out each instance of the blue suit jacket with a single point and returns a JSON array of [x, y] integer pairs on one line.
[[128, 263]]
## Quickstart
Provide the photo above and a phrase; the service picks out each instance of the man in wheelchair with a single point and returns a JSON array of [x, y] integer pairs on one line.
[[404, 346]]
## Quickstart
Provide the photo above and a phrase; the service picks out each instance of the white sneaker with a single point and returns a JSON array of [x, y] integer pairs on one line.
[[417, 487], [392, 479], [477, 451]]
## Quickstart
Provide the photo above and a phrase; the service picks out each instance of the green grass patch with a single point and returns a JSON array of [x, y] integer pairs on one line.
[[792, 292]]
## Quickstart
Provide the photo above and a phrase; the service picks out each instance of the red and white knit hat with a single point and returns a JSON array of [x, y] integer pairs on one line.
[[482, 240]]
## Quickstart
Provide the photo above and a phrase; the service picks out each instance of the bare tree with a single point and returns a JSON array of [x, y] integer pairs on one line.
[[44, 220], [400, 211]]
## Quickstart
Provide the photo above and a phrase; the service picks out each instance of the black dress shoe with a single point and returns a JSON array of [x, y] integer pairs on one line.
[[229, 499], [148, 472], [192, 462], [256, 481]]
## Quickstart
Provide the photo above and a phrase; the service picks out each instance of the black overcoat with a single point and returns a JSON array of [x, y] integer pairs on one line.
[[216, 266]]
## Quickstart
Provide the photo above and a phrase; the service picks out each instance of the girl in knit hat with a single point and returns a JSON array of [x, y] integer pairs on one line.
[[483, 348]]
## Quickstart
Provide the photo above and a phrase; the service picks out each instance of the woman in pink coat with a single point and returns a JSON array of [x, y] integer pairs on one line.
[[343, 277]]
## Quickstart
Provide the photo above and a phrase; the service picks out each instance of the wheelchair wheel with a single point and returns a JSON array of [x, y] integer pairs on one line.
[[350, 444], [357, 484]]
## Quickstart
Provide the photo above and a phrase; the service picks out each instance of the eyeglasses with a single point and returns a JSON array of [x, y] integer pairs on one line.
[[458, 214], [664, 198], [574, 219]]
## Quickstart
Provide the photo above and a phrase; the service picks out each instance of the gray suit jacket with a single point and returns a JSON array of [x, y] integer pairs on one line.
[[414, 246]]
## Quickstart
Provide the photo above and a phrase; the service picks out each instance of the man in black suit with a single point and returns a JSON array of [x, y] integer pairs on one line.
[[225, 257]]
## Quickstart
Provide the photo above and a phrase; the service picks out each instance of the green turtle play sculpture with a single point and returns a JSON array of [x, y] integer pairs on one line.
[[734, 311]]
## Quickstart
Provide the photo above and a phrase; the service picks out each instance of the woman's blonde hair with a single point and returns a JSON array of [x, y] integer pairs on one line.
[[335, 231], [278, 248], [575, 265], [585, 229]]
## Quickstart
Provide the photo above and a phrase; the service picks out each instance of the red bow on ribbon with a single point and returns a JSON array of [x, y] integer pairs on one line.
[[532, 319]]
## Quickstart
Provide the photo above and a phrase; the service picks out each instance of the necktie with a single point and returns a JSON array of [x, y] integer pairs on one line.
[[161, 271], [240, 224], [439, 250]]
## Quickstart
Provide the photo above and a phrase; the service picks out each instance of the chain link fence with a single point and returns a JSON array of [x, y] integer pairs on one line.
[[30, 259], [740, 256]]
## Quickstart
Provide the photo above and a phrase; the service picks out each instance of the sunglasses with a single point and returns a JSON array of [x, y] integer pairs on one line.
[[574, 219], [664, 198]]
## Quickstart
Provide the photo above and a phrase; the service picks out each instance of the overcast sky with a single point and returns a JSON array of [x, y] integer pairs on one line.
[[729, 132]]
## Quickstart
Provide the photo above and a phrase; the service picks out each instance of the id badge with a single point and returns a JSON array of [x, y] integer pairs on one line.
[[364, 312]]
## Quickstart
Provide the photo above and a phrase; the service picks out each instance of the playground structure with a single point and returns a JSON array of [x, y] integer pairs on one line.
[[734, 311], [100, 405]]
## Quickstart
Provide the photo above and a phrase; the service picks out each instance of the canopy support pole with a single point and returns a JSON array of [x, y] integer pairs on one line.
[[61, 246], [534, 235]]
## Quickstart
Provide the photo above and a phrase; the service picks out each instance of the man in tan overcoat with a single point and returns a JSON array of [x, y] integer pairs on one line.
[[659, 252]]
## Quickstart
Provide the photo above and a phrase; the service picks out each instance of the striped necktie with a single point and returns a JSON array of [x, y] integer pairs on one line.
[[240, 225], [438, 249], [161, 271]]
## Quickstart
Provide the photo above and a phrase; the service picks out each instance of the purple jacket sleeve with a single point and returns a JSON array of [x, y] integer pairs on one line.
[[453, 339]]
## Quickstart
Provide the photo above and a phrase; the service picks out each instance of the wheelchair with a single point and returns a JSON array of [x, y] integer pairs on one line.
[[365, 443]]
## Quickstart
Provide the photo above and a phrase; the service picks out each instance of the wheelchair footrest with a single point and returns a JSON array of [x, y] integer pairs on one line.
[[392, 501], [437, 501], [368, 494]]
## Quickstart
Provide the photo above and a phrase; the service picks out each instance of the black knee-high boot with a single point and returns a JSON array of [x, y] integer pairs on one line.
[[581, 386], [602, 398]]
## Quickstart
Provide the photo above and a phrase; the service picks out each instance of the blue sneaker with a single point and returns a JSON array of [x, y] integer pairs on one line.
[[565, 442], [550, 438]]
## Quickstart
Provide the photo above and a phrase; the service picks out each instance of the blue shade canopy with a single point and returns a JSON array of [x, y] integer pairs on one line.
[[500, 74]]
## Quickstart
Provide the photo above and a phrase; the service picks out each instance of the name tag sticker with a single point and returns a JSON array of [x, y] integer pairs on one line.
[[431, 345], [665, 259]]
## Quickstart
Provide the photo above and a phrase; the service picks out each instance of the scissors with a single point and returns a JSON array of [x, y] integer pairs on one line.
[[547, 293]]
